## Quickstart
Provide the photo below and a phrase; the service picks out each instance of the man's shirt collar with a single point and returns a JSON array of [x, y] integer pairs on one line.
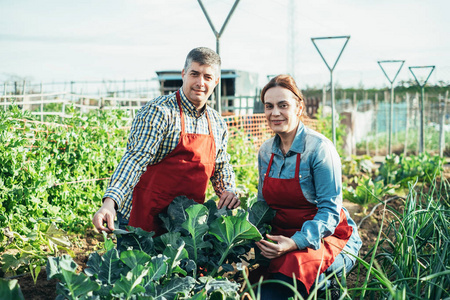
[[189, 107]]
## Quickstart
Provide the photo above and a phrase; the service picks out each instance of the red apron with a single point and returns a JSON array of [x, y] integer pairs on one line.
[[184, 171], [292, 210]]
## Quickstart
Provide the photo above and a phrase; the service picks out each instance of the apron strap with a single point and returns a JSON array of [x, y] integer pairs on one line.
[[182, 119], [181, 111], [209, 124], [297, 165], [270, 165]]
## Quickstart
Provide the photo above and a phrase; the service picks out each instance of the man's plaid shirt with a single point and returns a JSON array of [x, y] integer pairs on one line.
[[155, 132]]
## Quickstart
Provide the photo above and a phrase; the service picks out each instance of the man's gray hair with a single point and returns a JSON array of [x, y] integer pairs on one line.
[[203, 56]]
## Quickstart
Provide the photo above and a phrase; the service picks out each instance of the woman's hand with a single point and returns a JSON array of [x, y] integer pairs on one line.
[[271, 250]]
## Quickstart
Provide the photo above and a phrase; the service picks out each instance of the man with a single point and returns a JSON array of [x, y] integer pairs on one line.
[[176, 145]]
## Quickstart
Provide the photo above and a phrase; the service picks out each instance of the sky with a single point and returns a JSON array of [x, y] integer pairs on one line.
[[62, 40]]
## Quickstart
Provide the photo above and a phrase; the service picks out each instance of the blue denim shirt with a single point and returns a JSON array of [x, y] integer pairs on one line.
[[320, 180]]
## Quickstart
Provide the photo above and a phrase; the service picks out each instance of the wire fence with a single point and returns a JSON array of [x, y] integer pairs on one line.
[[37, 134], [254, 127], [366, 124], [364, 117]]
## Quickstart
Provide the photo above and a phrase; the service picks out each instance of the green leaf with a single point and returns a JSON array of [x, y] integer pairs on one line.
[[57, 236], [134, 258], [217, 295], [78, 284], [109, 244], [110, 267], [196, 225], [168, 238], [222, 284], [72, 285], [175, 254], [260, 214], [176, 286], [94, 262], [176, 213], [227, 267], [55, 265], [232, 230], [212, 210], [157, 268], [130, 284], [10, 262], [10, 289], [202, 295], [136, 238]]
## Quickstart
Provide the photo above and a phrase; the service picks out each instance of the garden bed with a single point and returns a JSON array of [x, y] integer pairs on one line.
[[88, 243]]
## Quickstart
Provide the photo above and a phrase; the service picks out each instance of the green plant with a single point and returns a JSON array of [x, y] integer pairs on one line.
[[411, 256], [400, 169], [324, 126], [10, 289], [28, 251], [243, 157], [187, 261], [355, 165], [367, 191]]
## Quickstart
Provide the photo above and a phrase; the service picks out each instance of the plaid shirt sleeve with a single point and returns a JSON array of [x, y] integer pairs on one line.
[[223, 178], [143, 142]]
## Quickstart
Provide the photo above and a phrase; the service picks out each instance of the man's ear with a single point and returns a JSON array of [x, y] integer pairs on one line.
[[217, 80], [182, 73]]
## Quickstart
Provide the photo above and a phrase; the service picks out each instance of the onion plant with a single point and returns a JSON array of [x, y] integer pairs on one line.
[[411, 258]]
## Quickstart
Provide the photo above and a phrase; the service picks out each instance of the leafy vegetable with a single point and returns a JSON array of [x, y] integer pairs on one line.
[[9, 289], [179, 263]]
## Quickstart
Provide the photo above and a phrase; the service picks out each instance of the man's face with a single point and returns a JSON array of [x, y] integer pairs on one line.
[[199, 82]]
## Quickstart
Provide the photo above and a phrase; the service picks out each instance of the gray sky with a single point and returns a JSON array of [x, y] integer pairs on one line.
[[62, 40]]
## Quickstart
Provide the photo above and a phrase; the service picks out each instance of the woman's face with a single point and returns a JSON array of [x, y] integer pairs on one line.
[[282, 110]]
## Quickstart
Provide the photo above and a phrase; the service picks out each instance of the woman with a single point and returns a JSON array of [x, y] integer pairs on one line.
[[300, 177]]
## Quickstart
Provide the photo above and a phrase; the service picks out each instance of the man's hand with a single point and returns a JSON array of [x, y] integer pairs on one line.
[[106, 214], [228, 199], [271, 250]]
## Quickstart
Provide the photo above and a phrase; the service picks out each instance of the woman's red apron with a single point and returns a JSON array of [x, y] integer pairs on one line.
[[184, 171], [292, 210]]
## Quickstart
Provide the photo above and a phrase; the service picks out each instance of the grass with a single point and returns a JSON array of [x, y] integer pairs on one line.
[[411, 257]]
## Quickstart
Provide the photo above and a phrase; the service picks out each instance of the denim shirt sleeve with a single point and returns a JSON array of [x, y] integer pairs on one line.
[[326, 183]]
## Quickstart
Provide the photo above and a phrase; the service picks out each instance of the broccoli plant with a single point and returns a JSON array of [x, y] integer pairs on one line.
[[200, 245]]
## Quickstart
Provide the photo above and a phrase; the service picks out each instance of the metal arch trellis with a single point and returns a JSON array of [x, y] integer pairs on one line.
[[391, 106], [218, 35], [331, 69], [422, 88]]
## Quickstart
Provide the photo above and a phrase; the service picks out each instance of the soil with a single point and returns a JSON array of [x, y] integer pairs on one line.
[[84, 245]]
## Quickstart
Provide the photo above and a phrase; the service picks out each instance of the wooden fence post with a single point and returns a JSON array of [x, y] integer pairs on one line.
[[4, 94], [324, 100], [376, 123], [42, 104], [443, 105], [405, 150]]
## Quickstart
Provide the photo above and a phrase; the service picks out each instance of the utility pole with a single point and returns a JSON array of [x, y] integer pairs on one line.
[[218, 34], [291, 55]]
